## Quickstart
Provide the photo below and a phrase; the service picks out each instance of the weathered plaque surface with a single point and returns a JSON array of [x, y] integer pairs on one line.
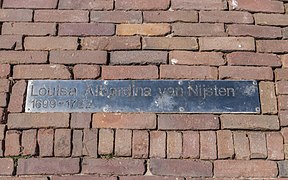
[[163, 96]]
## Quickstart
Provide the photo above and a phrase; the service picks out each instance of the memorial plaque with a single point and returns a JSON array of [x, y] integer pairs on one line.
[[161, 96]]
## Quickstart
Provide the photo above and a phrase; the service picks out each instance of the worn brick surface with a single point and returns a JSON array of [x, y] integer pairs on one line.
[[90, 139], [257, 6], [281, 74], [4, 85], [282, 87], [106, 142], [272, 46], [275, 147], [283, 118], [198, 5], [284, 60], [83, 71], [75, 57], [61, 16], [283, 168], [130, 17], [191, 144], [16, 98], [23, 57], [77, 144], [198, 29], [29, 28], [225, 144], [170, 16], [28, 141], [241, 145], [2, 131], [6, 166], [268, 98], [14, 15], [143, 29], [258, 147], [86, 4], [51, 43], [12, 143], [174, 145], [3, 99], [245, 73], [157, 144], [86, 29], [170, 43], [283, 102], [45, 139], [80, 120], [140, 144], [11, 42], [62, 142], [271, 19], [254, 31], [41, 4], [226, 17], [123, 142], [208, 149], [141, 5]]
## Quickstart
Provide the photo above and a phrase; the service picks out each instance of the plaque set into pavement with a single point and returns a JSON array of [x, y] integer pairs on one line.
[[161, 96]]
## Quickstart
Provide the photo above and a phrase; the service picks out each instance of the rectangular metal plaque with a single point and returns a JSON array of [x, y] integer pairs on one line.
[[162, 96]]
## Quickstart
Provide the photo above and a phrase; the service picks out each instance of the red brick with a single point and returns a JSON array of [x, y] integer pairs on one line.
[[124, 121], [6, 166], [111, 43], [169, 43], [86, 29], [251, 122], [157, 144], [187, 72], [198, 29], [130, 17], [254, 31], [257, 6], [90, 140], [225, 17], [170, 16], [40, 120], [106, 141], [187, 122], [178, 167], [196, 58], [253, 59], [198, 5], [12, 143], [11, 42], [18, 15], [240, 72], [77, 145], [61, 16], [274, 46], [241, 145], [48, 166], [227, 44], [4, 70], [268, 98], [283, 117], [130, 72], [284, 132], [143, 29], [29, 142], [51, 43], [242, 168], [2, 131], [282, 87], [29, 28], [30, 4], [4, 85], [78, 57], [208, 149], [41, 72], [17, 97], [80, 120], [23, 57], [83, 177], [86, 4], [3, 99], [283, 102], [174, 144], [191, 144], [83, 71], [258, 147], [25, 178], [281, 74], [62, 142], [142, 5], [139, 57], [275, 146], [271, 19], [45, 139], [284, 59], [150, 178], [140, 144], [123, 141], [225, 144]]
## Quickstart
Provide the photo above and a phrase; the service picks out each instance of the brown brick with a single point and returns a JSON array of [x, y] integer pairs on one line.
[[23, 57], [29, 28], [1, 148], [48, 166], [174, 144], [78, 57], [208, 149], [80, 120], [130, 17], [170, 16], [83, 177], [283, 117], [225, 17], [3, 99], [45, 142], [12, 143], [113, 166], [150, 178], [139, 57], [198, 29], [242, 168], [198, 5], [225, 144], [4, 70], [62, 142], [11, 42], [274, 46], [258, 147], [268, 98], [251, 122], [283, 102], [90, 139], [17, 97], [170, 43], [157, 144], [106, 141], [285, 33], [142, 29], [275, 146], [29, 142], [142, 5], [140, 144], [40, 120], [284, 132], [254, 31], [241, 145], [25, 178], [2, 116], [86, 29], [86, 4], [282, 87], [83, 71], [2, 131], [281, 74], [6, 166], [240, 72], [196, 58], [30, 4], [4, 85], [253, 59], [124, 121], [227, 43], [191, 144], [18, 15], [123, 141], [77, 144], [178, 167], [111, 43], [130, 72], [271, 19], [50, 43], [187, 72], [257, 6], [61, 16]]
